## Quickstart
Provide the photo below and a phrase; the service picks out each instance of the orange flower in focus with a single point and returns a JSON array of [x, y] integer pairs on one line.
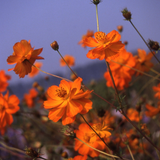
[[69, 59], [143, 61], [106, 46], [88, 34], [86, 134], [35, 71], [79, 157], [152, 111], [8, 106], [3, 80], [157, 89], [29, 98], [133, 115], [67, 100], [24, 56]]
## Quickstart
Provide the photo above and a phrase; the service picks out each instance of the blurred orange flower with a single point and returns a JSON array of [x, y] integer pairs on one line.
[[67, 100], [157, 89], [3, 80], [106, 46], [8, 106], [86, 134], [88, 34], [24, 56], [121, 79], [69, 59], [143, 61], [29, 98], [34, 70], [79, 157], [133, 115], [152, 111]]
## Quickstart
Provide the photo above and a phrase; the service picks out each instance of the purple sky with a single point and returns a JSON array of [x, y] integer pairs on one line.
[[66, 21]]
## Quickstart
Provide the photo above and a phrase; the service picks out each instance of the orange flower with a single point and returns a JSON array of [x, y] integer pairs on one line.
[[79, 157], [133, 115], [35, 71], [106, 46], [88, 34], [29, 98], [152, 111], [86, 134], [67, 100], [24, 56], [3, 80], [121, 79], [8, 106], [157, 89], [69, 59], [143, 61]]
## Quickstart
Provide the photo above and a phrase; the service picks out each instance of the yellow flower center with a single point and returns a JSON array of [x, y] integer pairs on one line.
[[61, 92], [101, 37]]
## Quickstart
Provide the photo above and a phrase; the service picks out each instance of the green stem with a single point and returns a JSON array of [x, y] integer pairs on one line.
[[130, 152], [144, 40], [97, 18]]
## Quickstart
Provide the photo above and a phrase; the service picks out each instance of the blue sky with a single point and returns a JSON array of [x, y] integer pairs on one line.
[[66, 21]]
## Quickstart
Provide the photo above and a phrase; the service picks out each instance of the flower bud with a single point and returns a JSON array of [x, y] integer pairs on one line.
[[126, 14], [35, 85], [55, 45], [125, 43], [153, 45], [96, 2], [64, 155], [120, 28], [101, 112], [32, 153]]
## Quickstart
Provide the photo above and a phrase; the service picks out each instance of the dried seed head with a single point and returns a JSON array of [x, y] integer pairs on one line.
[[154, 45], [126, 14]]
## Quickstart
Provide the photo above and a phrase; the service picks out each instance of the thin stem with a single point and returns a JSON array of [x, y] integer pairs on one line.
[[109, 155], [49, 73], [130, 152], [97, 18], [144, 40]]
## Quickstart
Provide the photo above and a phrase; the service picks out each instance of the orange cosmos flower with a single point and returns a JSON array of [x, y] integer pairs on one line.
[[88, 34], [121, 79], [67, 100], [3, 80], [106, 46], [143, 61], [79, 157], [69, 59], [29, 98], [133, 115], [86, 134], [8, 106], [24, 56], [152, 111], [35, 71], [157, 89]]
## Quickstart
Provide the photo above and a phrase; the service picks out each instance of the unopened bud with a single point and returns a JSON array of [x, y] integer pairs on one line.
[[154, 45], [35, 85], [55, 45], [126, 14], [32, 153], [101, 112], [125, 42], [96, 2], [120, 28]]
